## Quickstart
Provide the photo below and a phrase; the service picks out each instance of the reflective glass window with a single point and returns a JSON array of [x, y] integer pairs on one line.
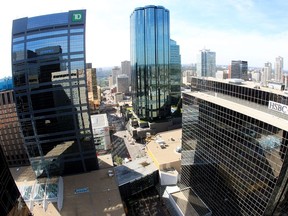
[[150, 43], [44, 34], [76, 30], [48, 42], [76, 56], [76, 43], [18, 52], [18, 39], [77, 65], [47, 20]]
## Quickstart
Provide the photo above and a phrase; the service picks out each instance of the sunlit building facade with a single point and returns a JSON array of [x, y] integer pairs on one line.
[[11, 139], [206, 63], [278, 69], [92, 88], [266, 73], [150, 47], [126, 69], [234, 147], [122, 83], [50, 86]]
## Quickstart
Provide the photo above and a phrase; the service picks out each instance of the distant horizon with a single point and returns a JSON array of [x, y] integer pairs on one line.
[[240, 29], [192, 64]]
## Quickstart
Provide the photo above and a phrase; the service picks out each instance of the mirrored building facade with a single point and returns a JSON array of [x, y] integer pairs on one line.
[[175, 72], [206, 63], [150, 47], [239, 69], [11, 202], [234, 145], [50, 87]]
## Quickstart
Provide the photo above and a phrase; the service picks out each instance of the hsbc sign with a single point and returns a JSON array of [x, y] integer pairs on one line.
[[278, 107]]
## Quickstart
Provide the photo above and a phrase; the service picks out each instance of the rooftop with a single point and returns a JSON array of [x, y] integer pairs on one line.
[[191, 206], [248, 111], [93, 193], [162, 148], [248, 84], [134, 170]]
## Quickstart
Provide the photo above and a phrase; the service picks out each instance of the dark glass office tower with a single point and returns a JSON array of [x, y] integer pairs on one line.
[[49, 76], [239, 69], [175, 72], [150, 45], [234, 142], [11, 202]]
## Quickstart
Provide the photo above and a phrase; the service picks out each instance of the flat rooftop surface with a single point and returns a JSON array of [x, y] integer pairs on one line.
[[248, 111], [134, 170], [171, 140], [191, 206], [100, 197], [105, 161], [248, 84], [103, 197]]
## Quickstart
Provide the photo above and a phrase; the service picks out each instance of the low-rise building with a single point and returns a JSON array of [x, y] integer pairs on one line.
[[101, 133]]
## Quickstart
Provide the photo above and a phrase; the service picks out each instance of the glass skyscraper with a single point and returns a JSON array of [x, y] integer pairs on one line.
[[11, 202], [239, 70], [234, 147], [206, 63], [175, 72], [50, 87], [150, 53]]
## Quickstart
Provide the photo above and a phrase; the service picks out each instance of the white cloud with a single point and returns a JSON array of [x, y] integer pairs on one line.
[[229, 44], [241, 5]]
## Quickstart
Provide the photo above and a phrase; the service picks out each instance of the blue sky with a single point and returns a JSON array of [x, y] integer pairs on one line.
[[252, 30]]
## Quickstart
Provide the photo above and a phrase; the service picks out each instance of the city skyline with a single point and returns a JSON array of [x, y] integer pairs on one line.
[[233, 29]]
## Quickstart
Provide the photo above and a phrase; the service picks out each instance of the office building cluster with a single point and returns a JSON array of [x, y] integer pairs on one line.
[[238, 69], [231, 155]]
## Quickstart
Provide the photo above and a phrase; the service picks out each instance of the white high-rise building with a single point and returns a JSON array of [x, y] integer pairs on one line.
[[206, 63], [264, 76], [115, 72], [268, 66], [266, 73], [122, 83], [279, 69], [256, 76], [126, 69]]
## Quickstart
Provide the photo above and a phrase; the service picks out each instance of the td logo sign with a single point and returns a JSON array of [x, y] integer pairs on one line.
[[77, 17]]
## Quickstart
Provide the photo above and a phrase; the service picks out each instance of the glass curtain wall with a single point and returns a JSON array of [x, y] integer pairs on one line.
[[150, 46], [175, 72], [48, 61], [237, 164]]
